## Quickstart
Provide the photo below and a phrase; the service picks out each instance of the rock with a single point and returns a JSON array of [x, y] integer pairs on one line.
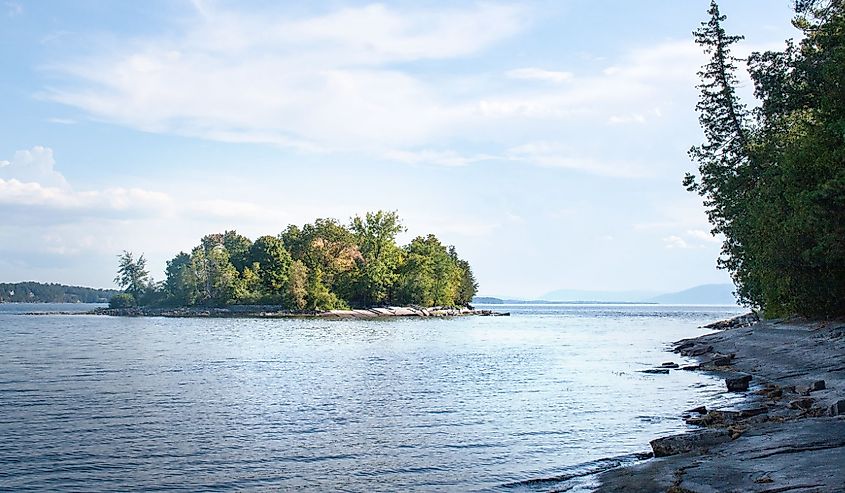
[[802, 404], [697, 351], [837, 408], [684, 345], [732, 323], [669, 364], [817, 385], [656, 371], [748, 413], [699, 410], [721, 361], [691, 367], [688, 442], [738, 384]]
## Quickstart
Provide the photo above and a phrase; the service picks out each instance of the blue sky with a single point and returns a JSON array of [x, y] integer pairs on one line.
[[545, 140]]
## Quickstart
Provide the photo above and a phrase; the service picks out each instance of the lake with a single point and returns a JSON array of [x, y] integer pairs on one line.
[[530, 402]]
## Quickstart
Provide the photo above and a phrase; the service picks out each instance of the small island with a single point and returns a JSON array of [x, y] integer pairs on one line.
[[324, 269]]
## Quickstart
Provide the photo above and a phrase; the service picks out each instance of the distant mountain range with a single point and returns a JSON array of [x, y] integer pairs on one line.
[[706, 294]]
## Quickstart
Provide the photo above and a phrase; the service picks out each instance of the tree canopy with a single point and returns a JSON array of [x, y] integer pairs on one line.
[[773, 179], [319, 266]]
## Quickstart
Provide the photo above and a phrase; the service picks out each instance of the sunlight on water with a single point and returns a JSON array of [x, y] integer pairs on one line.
[[475, 403]]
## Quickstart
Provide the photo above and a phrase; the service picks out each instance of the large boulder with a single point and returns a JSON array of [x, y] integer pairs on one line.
[[688, 442], [738, 384], [837, 408]]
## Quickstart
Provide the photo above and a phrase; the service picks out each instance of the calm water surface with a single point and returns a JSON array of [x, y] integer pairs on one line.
[[518, 403]]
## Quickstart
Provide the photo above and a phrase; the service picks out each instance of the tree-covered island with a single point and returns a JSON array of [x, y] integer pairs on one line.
[[320, 266]]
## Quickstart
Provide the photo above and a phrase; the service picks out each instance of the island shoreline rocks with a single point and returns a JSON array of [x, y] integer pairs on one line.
[[276, 311], [787, 435]]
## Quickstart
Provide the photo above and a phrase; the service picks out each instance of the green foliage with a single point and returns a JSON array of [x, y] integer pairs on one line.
[[122, 300], [132, 274], [775, 187], [239, 248], [36, 292], [375, 236], [180, 284], [297, 288], [272, 265], [320, 266]]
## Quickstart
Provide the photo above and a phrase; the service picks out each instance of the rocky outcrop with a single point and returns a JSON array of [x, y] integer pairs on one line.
[[787, 435], [275, 311], [688, 442]]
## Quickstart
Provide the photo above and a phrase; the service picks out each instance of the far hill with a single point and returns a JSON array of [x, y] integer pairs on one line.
[[602, 296], [37, 292], [706, 294]]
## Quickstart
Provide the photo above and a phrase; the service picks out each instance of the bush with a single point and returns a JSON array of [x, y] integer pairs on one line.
[[122, 300]]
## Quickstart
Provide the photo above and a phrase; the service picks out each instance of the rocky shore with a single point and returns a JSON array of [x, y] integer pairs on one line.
[[274, 311], [787, 436]]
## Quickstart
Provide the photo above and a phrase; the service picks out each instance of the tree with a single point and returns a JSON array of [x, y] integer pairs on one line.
[[776, 189], [297, 289], [375, 235], [132, 274], [180, 284], [238, 247], [273, 265], [328, 246]]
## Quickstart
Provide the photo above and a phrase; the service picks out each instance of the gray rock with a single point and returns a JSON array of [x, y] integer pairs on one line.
[[688, 442], [837, 408], [669, 364], [656, 371], [817, 385], [802, 404], [738, 384], [699, 410], [698, 351]]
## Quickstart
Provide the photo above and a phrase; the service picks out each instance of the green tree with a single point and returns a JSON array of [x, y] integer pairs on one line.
[[297, 289], [274, 265], [180, 283], [132, 274], [375, 235], [239, 247], [328, 246], [430, 274], [776, 189], [214, 273], [318, 296]]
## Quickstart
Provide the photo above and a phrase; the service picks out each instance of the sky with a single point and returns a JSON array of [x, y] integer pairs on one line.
[[546, 140]]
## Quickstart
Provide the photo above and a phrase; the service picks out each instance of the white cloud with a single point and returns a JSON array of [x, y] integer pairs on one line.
[[556, 156], [33, 165], [344, 81], [533, 73], [703, 236], [675, 242], [441, 158], [311, 83]]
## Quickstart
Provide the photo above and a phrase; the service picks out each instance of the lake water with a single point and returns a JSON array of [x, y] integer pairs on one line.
[[520, 403]]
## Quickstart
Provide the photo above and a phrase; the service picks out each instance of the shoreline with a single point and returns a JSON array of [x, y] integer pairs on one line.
[[276, 311], [788, 434]]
